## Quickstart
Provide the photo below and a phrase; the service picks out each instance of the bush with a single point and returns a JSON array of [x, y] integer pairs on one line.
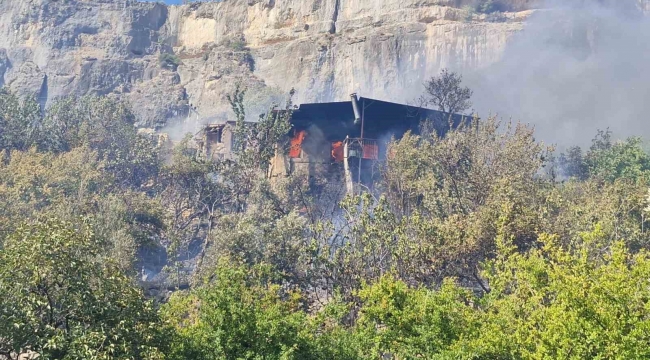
[[243, 316], [169, 61], [60, 302], [490, 6], [468, 12], [238, 45]]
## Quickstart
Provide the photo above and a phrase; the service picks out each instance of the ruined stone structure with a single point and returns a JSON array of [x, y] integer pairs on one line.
[[215, 141]]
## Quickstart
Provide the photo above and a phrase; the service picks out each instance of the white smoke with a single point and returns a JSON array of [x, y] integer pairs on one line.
[[178, 128], [257, 101], [577, 66]]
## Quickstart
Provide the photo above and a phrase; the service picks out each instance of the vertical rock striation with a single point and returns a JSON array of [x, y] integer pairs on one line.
[[103, 47], [325, 49]]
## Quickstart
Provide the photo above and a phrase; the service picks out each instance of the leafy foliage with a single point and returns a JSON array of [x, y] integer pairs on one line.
[[82, 157], [608, 161], [19, 121], [241, 315], [256, 143], [446, 93], [106, 126], [472, 248], [557, 302], [395, 320], [32, 183], [62, 303], [168, 60], [452, 190], [490, 6]]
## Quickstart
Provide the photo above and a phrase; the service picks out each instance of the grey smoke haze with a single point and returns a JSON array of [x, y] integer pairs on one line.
[[178, 127], [578, 66], [258, 100]]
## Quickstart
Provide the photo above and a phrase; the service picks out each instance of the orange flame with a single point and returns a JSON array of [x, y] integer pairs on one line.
[[337, 151], [296, 144]]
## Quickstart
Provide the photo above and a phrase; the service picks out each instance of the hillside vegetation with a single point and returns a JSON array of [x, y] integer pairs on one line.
[[484, 244]]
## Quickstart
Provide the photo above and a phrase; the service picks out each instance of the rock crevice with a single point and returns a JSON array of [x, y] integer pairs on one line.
[[335, 18]]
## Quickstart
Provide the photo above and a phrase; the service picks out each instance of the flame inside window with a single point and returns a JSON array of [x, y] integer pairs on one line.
[[296, 144], [337, 151]]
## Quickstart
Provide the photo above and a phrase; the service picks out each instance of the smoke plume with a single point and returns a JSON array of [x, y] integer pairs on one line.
[[577, 66], [178, 128]]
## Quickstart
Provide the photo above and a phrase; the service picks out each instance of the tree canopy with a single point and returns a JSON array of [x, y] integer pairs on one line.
[[482, 244]]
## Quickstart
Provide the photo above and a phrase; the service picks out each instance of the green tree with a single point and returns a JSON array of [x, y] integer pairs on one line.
[[195, 192], [73, 184], [452, 191], [404, 323], [574, 207], [60, 302], [256, 143], [607, 160], [447, 94], [106, 126], [34, 183], [573, 164], [580, 302], [626, 159], [240, 315], [20, 121], [103, 124]]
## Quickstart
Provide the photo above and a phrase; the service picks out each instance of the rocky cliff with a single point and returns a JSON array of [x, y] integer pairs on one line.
[[165, 60]]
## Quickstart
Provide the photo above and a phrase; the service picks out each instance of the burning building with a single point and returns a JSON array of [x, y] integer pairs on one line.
[[344, 139]]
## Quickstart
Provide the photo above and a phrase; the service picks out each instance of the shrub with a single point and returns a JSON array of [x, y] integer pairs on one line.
[[169, 60], [490, 6], [243, 316], [237, 45], [468, 13], [61, 302]]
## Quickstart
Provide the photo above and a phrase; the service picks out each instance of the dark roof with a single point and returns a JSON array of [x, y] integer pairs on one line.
[[381, 118]]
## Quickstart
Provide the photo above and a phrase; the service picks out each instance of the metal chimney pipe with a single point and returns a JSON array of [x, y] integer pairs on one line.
[[355, 107]]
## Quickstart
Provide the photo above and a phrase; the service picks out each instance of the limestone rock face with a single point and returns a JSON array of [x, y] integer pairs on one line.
[[56, 48], [325, 49], [386, 49]]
